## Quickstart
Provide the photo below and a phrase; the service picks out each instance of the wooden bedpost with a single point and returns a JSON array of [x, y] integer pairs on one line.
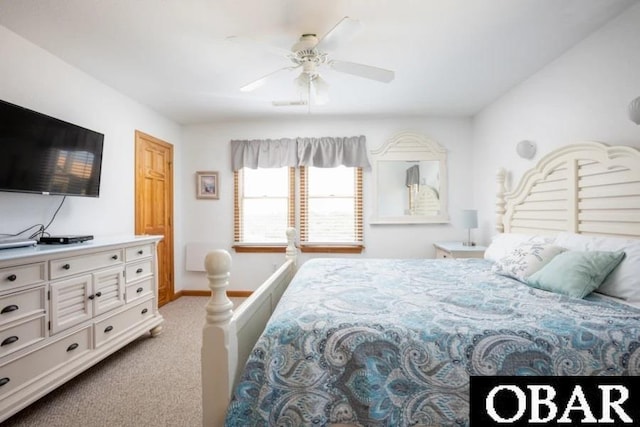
[[500, 202], [217, 350], [228, 336]]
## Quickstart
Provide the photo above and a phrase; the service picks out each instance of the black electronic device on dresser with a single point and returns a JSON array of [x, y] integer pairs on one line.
[[65, 240], [44, 155]]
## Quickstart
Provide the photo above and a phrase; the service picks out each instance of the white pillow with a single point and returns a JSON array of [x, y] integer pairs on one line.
[[573, 241], [502, 244], [624, 281], [526, 259]]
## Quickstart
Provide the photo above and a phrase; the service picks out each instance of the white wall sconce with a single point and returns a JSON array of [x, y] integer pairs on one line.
[[526, 149], [634, 111]]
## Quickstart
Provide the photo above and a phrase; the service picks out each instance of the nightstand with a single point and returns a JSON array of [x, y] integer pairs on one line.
[[458, 250]]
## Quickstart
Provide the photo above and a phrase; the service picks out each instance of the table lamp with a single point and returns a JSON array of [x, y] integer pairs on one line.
[[469, 221]]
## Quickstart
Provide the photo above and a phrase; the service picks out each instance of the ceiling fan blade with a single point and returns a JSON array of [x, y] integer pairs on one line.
[[259, 82], [289, 103], [255, 44], [361, 70], [342, 32]]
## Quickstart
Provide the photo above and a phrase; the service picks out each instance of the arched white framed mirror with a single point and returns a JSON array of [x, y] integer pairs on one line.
[[409, 181]]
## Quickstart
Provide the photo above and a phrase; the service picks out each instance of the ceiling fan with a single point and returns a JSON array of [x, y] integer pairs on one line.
[[309, 54]]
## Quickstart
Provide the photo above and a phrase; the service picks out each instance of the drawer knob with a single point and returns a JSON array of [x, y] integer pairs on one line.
[[140, 270], [98, 294], [140, 252], [139, 290], [114, 257], [9, 340], [66, 266], [144, 311], [73, 346], [91, 297], [4, 381], [9, 309], [12, 278], [108, 329]]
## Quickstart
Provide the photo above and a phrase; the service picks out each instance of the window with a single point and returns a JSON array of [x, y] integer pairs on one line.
[[329, 208], [263, 210]]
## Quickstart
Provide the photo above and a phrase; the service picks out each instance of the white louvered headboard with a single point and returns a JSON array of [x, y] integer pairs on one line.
[[586, 188]]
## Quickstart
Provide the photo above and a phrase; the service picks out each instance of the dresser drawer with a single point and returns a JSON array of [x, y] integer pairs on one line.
[[22, 335], [29, 274], [139, 290], [65, 267], [138, 252], [139, 270], [113, 326], [18, 305], [23, 371]]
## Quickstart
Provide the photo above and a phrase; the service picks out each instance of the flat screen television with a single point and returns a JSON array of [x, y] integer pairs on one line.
[[44, 155]]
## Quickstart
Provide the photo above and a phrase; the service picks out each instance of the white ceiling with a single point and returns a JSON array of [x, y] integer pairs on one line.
[[450, 57]]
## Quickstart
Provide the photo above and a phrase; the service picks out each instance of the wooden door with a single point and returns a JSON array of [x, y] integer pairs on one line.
[[154, 204]]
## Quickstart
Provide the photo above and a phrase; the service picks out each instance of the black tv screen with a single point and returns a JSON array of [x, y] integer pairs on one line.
[[41, 154]]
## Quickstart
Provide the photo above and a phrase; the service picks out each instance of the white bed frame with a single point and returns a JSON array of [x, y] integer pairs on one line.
[[229, 336], [587, 188]]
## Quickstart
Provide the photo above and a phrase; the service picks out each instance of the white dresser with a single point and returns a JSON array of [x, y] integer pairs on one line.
[[64, 308]]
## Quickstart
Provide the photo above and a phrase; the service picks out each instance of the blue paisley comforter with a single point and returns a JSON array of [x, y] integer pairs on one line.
[[374, 342]]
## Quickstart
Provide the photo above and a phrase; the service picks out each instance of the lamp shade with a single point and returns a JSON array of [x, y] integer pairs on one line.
[[634, 111], [413, 176], [469, 218]]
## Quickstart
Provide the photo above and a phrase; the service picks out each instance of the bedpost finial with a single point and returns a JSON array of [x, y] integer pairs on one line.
[[501, 175], [217, 262], [218, 265], [291, 234], [291, 251]]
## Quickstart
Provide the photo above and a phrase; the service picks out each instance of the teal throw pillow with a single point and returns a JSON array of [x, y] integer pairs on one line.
[[575, 273]]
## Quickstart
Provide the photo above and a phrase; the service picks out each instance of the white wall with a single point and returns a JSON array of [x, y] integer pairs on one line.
[[33, 78], [207, 147], [583, 95]]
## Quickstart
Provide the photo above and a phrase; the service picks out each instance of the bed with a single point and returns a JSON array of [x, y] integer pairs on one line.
[[394, 342]]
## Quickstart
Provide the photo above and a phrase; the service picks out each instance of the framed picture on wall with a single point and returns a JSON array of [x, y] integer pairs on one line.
[[207, 185]]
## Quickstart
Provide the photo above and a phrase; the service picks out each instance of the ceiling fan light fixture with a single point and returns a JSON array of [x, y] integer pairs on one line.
[[302, 82], [321, 89]]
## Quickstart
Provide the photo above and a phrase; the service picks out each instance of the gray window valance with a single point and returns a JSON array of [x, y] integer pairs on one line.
[[264, 153], [325, 152]]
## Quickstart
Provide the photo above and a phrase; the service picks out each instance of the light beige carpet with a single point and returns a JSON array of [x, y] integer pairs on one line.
[[151, 382]]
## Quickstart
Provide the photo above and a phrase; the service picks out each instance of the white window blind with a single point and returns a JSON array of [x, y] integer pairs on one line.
[[331, 205], [263, 205]]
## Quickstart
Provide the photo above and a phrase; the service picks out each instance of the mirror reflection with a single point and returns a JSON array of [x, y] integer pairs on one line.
[[408, 188], [410, 181]]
